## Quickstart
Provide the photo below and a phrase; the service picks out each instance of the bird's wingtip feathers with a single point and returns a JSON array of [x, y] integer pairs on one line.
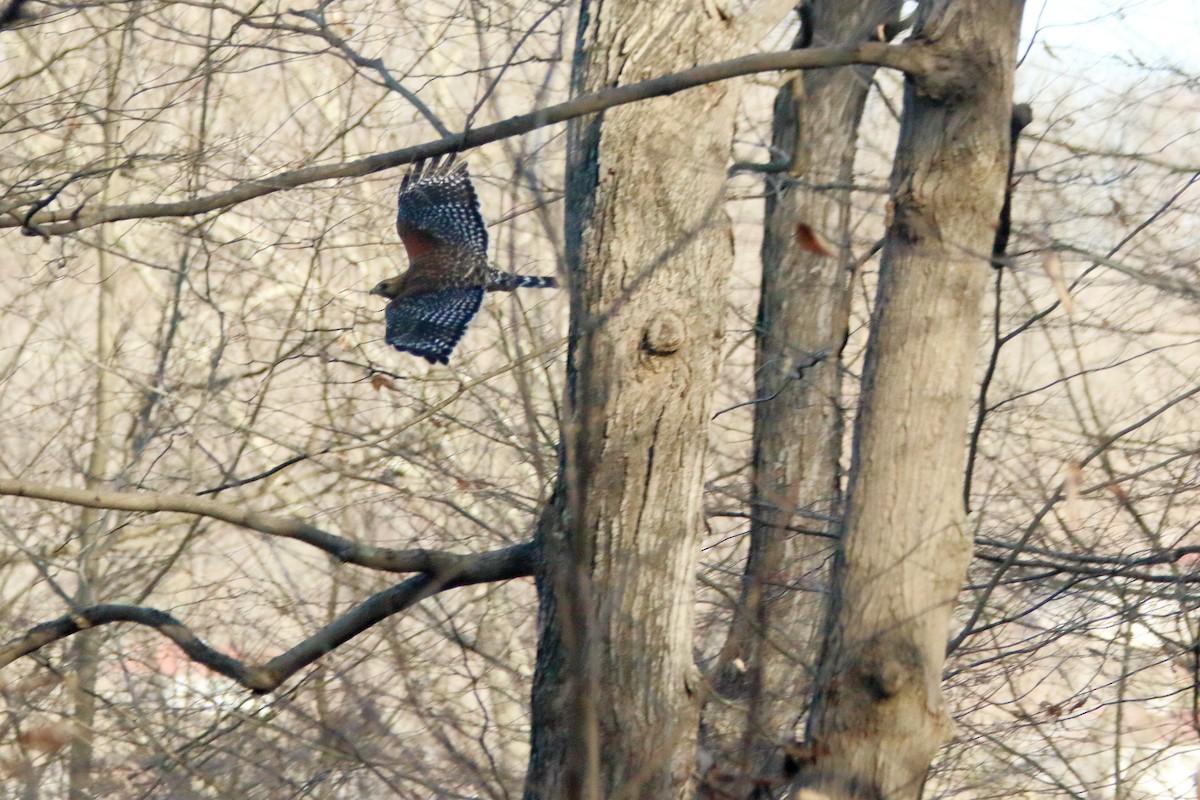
[[433, 357]]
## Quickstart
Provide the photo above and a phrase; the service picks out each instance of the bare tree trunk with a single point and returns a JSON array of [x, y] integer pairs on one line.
[[649, 250], [85, 649], [802, 322], [879, 714]]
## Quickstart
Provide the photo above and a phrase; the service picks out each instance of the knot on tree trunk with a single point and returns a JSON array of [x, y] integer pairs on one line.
[[909, 222], [663, 334], [953, 74], [887, 666]]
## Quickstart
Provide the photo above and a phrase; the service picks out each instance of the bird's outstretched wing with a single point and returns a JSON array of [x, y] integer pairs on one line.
[[438, 206], [429, 325]]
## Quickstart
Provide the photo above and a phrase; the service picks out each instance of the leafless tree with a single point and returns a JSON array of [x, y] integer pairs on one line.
[[208, 439]]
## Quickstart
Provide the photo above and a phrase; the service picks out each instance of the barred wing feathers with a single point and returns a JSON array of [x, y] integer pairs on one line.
[[429, 325], [437, 206]]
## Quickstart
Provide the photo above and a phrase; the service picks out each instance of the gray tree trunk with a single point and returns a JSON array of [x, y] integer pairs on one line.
[[649, 252], [802, 322], [879, 715]]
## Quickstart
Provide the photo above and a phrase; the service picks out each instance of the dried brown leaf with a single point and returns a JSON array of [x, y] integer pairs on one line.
[[813, 242], [1119, 493], [47, 738]]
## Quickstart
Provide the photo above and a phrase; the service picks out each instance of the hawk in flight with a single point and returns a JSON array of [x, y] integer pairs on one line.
[[438, 220]]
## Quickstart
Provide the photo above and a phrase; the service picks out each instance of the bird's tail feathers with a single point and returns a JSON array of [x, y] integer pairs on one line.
[[507, 281]]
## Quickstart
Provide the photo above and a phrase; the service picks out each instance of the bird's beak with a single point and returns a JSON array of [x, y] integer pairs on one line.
[[377, 290]]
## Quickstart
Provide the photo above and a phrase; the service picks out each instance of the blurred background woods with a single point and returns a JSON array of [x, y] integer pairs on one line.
[[187, 354], [236, 353]]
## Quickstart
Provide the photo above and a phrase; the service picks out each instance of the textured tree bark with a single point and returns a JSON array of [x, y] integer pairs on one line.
[[879, 715], [802, 322], [649, 251]]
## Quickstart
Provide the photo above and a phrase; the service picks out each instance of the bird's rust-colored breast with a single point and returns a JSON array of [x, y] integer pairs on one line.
[[416, 242]]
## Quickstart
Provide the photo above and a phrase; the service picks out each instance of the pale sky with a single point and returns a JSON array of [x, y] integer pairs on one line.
[[1156, 32]]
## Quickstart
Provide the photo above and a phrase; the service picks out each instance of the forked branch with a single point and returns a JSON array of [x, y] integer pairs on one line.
[[499, 565]]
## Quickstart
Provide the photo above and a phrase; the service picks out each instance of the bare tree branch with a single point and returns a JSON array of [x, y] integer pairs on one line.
[[498, 565], [1058, 495], [317, 17], [385, 559], [1021, 555], [912, 59]]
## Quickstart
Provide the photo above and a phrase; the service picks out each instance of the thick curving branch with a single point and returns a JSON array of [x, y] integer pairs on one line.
[[910, 58], [498, 565], [385, 559]]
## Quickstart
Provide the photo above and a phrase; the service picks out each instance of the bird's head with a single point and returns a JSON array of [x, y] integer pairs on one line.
[[389, 288]]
